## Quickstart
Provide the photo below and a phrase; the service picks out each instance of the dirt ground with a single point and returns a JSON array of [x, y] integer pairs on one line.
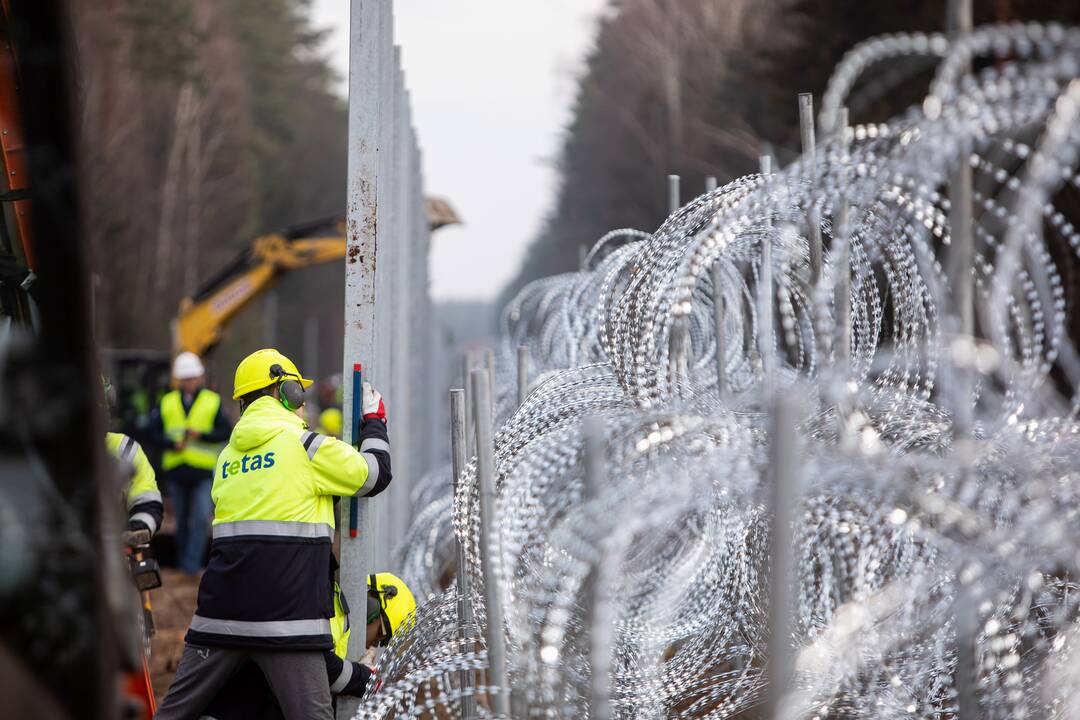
[[173, 603]]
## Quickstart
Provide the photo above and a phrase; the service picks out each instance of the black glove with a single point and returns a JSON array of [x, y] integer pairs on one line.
[[137, 533]]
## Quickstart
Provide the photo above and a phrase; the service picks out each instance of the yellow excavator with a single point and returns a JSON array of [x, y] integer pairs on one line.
[[201, 321]]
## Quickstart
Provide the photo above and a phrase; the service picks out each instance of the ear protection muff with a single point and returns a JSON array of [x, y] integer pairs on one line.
[[291, 391], [377, 606]]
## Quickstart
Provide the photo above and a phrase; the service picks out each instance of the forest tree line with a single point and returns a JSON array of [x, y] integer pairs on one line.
[[702, 87], [203, 123]]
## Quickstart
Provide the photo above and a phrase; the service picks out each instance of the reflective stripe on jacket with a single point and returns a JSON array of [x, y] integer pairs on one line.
[[268, 581], [200, 418], [141, 495]]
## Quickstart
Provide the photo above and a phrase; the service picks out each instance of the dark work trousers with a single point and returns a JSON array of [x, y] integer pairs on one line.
[[297, 679]]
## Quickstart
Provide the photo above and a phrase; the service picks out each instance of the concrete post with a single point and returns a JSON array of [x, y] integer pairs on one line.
[[368, 21]]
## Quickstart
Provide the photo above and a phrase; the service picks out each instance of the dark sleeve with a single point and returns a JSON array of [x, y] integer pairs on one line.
[[375, 446], [155, 431], [222, 428], [346, 678], [152, 508]]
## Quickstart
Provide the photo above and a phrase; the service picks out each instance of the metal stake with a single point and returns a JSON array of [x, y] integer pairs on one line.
[[962, 250], [718, 329], [489, 363], [783, 500], [842, 242], [594, 598], [523, 374], [765, 290], [674, 202], [710, 183], [809, 147], [470, 434], [490, 559], [466, 616]]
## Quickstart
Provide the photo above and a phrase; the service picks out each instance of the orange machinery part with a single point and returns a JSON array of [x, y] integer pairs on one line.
[[12, 146]]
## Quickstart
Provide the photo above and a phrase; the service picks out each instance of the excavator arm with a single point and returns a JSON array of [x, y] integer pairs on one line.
[[202, 319]]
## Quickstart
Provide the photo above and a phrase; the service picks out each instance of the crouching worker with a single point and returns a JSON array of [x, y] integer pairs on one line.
[[267, 596], [389, 607]]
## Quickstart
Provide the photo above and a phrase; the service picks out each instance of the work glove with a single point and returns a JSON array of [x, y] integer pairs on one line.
[[373, 407], [137, 534]]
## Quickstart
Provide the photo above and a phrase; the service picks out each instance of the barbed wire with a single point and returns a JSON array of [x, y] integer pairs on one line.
[[924, 551]]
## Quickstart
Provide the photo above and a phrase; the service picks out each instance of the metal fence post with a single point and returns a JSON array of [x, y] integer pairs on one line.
[[595, 600], [766, 346], [809, 148], [466, 374], [368, 21], [783, 500], [490, 557], [523, 374], [718, 329], [962, 245], [710, 183], [466, 617], [842, 245], [489, 363], [674, 196]]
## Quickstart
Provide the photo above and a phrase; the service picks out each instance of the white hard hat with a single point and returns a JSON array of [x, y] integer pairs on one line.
[[187, 366]]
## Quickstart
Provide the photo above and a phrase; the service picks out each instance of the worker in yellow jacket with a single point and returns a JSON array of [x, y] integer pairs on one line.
[[390, 610], [267, 594], [190, 428], [141, 495]]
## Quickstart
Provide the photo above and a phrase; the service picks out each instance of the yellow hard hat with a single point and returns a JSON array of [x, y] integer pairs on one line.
[[395, 599], [253, 372], [330, 420]]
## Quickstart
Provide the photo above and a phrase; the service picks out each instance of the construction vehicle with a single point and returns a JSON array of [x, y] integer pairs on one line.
[[16, 237], [68, 608], [142, 376], [202, 319]]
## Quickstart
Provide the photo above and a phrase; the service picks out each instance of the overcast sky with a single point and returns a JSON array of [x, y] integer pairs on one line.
[[492, 83]]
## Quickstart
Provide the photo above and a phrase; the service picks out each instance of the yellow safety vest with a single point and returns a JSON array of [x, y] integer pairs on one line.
[[339, 625], [200, 419], [141, 484]]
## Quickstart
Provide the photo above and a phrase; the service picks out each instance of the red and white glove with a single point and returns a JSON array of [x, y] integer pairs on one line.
[[373, 407]]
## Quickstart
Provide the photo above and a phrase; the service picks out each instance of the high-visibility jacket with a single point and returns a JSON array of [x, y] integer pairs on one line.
[[346, 677], [141, 493], [200, 418], [268, 582]]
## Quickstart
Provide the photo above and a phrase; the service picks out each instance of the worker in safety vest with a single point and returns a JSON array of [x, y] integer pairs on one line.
[[141, 495], [389, 608], [267, 593], [190, 429], [330, 422]]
